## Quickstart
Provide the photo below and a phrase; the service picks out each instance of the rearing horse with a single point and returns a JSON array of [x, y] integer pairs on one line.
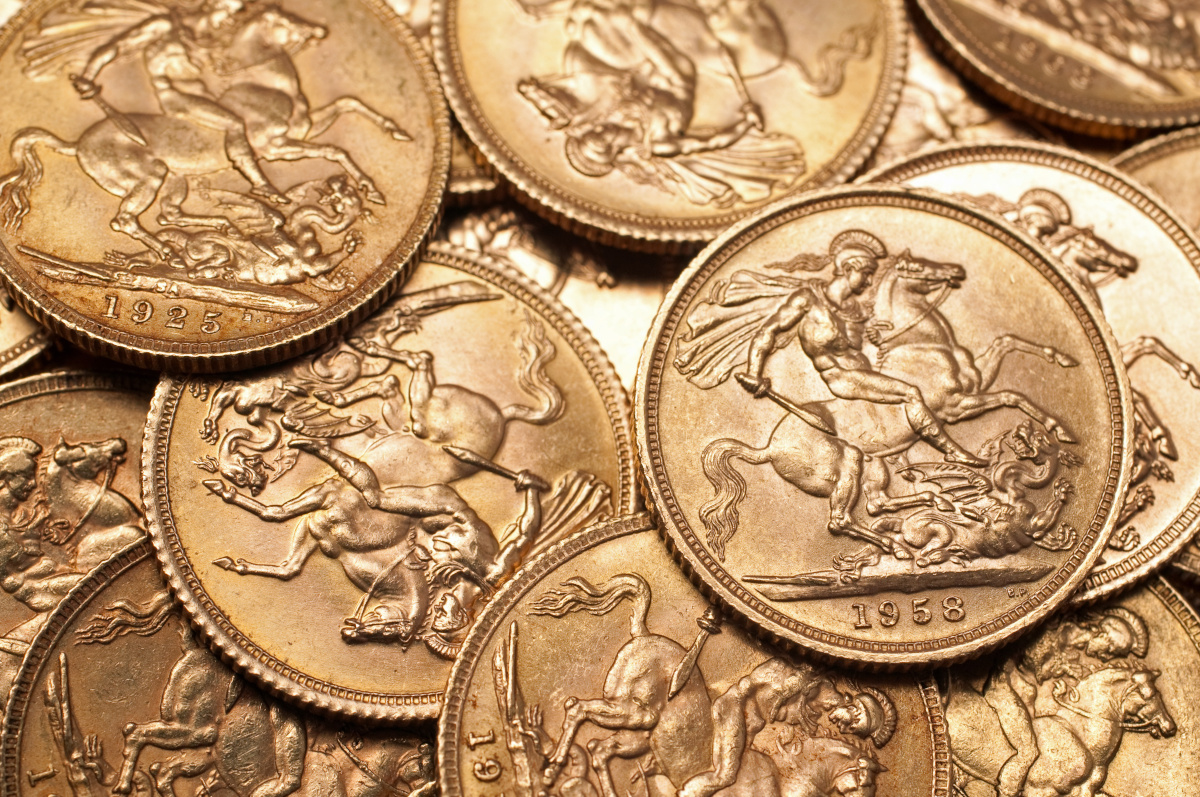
[[920, 350]]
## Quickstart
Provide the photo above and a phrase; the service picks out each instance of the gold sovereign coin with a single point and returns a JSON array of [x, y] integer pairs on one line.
[[1187, 562], [213, 185], [118, 697], [658, 125], [661, 697], [1107, 69], [335, 524], [884, 426], [1166, 164], [1094, 702], [21, 338], [70, 492], [1140, 263]]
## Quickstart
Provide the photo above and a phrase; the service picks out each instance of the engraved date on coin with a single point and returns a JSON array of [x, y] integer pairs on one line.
[[921, 612]]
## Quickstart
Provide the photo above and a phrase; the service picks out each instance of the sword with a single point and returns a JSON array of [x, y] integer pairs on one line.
[[710, 623], [122, 122], [808, 416], [471, 458]]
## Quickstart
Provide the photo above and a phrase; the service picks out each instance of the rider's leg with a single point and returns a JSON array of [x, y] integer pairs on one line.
[[358, 473], [880, 389]]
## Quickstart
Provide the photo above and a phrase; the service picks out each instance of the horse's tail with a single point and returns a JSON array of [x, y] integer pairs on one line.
[[16, 186], [578, 594], [720, 515], [536, 352]]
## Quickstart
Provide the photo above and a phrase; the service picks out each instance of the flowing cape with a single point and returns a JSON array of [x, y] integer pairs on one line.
[[65, 39]]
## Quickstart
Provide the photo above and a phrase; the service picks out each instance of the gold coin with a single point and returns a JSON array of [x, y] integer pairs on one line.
[[1100, 702], [68, 497], [614, 294], [884, 426], [656, 126], [1097, 68], [242, 180], [662, 697], [118, 697], [334, 524], [1140, 263], [1166, 164], [21, 338], [1187, 561]]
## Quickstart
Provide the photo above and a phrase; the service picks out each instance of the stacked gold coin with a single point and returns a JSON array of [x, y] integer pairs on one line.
[[734, 397]]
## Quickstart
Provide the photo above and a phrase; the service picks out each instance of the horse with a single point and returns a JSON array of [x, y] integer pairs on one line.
[[922, 351], [1077, 740], [369, 764], [101, 519], [265, 93]]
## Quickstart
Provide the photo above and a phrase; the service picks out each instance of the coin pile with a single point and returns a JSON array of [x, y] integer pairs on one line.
[[683, 398]]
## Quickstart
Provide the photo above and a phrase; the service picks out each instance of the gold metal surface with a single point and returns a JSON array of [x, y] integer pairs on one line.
[[426, 455], [600, 670], [883, 426], [212, 186]]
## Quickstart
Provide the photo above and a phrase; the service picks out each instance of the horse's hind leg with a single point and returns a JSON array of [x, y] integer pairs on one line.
[[290, 149], [622, 744], [973, 406], [190, 765], [614, 714], [171, 198], [136, 202]]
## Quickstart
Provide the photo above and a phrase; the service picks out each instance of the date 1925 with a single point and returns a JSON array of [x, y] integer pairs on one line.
[[173, 317]]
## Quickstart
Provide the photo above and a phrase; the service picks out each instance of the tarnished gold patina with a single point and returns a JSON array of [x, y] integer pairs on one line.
[[334, 524], [118, 697], [206, 186], [600, 670], [884, 426], [1142, 264], [70, 492], [657, 126], [1100, 68], [21, 338], [1094, 702]]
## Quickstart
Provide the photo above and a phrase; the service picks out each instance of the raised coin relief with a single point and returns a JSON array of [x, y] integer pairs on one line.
[[633, 76], [397, 440], [228, 96], [970, 507], [785, 727], [1050, 720], [60, 518], [212, 732], [1095, 263]]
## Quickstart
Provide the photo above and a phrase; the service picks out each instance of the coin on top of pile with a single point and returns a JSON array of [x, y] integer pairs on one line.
[[884, 425], [1094, 702], [1142, 264], [119, 697], [214, 185], [656, 127], [335, 523], [601, 670], [1108, 69], [70, 491]]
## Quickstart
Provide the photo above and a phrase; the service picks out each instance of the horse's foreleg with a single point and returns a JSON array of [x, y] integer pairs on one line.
[[1146, 345], [989, 362], [622, 744], [972, 406], [135, 203], [323, 118], [290, 149]]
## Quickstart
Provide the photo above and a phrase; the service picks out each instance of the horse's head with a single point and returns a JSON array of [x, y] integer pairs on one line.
[[922, 276], [1125, 695], [1142, 707], [394, 763], [1079, 248], [86, 461]]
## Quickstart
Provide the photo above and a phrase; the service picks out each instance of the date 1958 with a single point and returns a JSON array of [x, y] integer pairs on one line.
[[889, 614]]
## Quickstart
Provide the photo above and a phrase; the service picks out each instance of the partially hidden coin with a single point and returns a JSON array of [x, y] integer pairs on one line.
[[1096, 68], [656, 127], [1100, 701], [600, 670], [217, 185], [884, 426], [1167, 164], [70, 492], [119, 697], [334, 524], [1138, 261], [615, 294], [21, 338], [1187, 561]]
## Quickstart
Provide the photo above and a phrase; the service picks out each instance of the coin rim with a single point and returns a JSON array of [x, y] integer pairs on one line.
[[973, 56], [654, 233], [714, 580], [1167, 542], [277, 344], [486, 625], [262, 667]]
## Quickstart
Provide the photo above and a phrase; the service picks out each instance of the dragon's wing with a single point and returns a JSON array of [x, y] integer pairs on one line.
[[957, 481], [64, 40]]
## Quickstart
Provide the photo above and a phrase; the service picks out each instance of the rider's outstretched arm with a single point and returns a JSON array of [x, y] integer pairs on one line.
[[782, 320], [528, 525]]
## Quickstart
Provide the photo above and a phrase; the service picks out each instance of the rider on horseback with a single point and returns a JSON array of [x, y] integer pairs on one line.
[[831, 325], [167, 42]]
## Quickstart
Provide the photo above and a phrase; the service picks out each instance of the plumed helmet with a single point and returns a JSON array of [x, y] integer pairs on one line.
[[859, 240], [15, 453], [881, 714], [1049, 201]]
